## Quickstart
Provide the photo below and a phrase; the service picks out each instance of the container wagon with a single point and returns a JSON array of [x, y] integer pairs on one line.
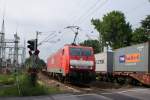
[[133, 62], [73, 64], [104, 65]]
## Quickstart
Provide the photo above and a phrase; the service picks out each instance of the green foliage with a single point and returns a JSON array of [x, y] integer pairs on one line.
[[146, 26], [28, 62], [9, 91], [142, 34], [146, 23], [92, 43], [139, 36], [38, 89], [26, 89], [7, 79], [114, 30], [42, 63], [33, 65], [39, 63]]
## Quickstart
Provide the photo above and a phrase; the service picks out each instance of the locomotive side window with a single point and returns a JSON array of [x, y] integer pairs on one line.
[[75, 51], [63, 52], [86, 52]]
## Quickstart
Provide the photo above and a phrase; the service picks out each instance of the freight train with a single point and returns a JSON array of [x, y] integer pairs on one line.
[[72, 63], [125, 65]]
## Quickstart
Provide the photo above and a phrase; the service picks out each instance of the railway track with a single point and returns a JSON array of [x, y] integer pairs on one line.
[[95, 87]]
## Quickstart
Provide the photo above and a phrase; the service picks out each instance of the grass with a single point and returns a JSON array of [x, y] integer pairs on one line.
[[9, 91], [26, 89], [7, 79]]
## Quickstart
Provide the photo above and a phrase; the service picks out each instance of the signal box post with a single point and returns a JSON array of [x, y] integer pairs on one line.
[[33, 52]]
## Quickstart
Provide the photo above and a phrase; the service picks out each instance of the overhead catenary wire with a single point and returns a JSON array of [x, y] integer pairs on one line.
[[91, 10], [95, 10], [74, 15], [50, 37], [47, 38], [131, 11], [88, 10]]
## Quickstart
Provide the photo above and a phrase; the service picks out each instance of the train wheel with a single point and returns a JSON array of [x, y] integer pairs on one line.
[[135, 82], [128, 80], [121, 80], [62, 79]]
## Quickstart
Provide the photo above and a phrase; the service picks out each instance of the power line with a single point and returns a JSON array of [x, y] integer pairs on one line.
[[131, 11], [49, 38], [93, 12], [88, 10], [81, 4]]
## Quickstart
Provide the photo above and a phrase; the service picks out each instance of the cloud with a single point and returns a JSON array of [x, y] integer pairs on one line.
[[29, 16]]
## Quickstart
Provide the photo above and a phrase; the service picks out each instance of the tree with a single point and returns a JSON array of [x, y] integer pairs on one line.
[[146, 26], [33, 67], [40, 63], [92, 43], [139, 36], [114, 30], [142, 34]]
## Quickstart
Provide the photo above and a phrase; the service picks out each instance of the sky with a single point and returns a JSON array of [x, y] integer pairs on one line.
[[51, 17]]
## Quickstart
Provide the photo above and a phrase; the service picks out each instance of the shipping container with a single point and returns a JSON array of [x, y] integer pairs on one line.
[[134, 58], [104, 62]]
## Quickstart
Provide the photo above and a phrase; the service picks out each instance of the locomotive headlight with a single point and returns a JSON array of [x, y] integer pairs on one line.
[[90, 67], [71, 66]]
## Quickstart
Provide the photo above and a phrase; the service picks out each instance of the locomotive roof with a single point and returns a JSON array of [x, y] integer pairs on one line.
[[70, 45]]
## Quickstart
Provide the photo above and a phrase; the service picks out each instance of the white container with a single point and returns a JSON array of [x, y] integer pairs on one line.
[[104, 62]]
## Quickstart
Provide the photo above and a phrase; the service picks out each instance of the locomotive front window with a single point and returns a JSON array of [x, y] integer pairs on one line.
[[80, 52], [86, 52], [75, 51]]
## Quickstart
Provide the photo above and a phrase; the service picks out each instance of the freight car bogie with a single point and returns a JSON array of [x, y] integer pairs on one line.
[[127, 80], [107, 77], [120, 79]]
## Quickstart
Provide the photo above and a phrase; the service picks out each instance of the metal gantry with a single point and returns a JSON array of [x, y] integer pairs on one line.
[[10, 50]]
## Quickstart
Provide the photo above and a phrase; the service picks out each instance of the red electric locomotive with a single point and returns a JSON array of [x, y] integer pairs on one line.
[[72, 63]]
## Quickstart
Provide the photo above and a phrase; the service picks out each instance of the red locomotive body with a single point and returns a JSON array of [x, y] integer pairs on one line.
[[72, 63]]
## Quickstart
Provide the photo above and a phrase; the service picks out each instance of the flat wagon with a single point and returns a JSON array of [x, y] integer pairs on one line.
[[133, 61]]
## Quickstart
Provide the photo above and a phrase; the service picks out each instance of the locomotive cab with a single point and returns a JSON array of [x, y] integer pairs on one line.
[[81, 63], [73, 63]]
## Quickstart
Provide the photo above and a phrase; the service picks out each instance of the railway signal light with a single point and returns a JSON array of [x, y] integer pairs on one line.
[[36, 52], [32, 44]]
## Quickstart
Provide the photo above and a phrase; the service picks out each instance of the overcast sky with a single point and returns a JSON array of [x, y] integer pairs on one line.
[[47, 16]]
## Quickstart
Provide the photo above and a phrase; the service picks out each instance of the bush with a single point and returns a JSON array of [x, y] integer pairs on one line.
[[26, 89], [38, 89]]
